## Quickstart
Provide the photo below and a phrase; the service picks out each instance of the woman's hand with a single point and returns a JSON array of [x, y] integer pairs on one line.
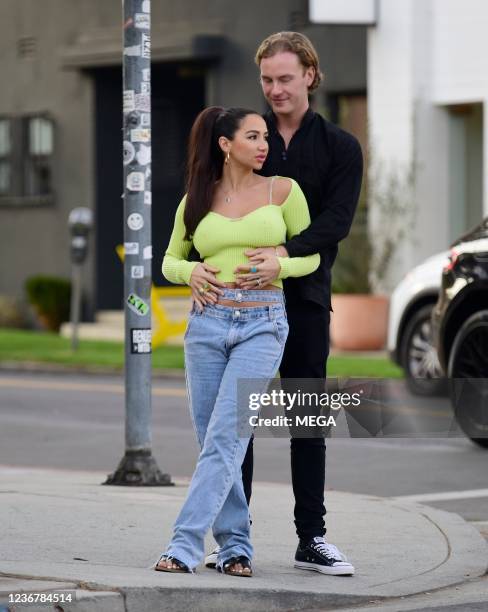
[[204, 285], [262, 270]]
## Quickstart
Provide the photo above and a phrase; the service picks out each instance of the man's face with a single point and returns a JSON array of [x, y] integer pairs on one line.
[[285, 82]]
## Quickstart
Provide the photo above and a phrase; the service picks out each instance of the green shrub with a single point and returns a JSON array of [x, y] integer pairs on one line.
[[50, 297], [350, 273]]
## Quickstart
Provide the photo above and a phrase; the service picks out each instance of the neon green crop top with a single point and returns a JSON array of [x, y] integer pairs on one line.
[[221, 241]]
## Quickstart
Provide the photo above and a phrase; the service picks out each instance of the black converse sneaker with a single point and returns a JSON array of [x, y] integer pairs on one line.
[[320, 556], [211, 559]]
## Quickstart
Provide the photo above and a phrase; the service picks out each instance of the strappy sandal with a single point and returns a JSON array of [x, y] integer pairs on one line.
[[181, 569], [227, 567]]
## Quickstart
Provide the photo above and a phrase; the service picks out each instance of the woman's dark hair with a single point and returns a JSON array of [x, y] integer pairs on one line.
[[205, 159]]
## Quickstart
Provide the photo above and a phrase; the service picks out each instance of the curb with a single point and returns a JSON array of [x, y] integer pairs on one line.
[[36, 367], [173, 599]]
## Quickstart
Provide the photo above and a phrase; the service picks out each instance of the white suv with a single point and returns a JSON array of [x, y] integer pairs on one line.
[[410, 342]]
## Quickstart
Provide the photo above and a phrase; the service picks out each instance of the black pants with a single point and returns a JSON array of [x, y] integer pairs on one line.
[[305, 356]]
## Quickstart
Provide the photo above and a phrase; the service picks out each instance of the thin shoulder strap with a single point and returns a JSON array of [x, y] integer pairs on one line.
[[271, 189]]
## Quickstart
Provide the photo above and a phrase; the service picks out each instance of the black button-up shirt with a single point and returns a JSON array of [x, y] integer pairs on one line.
[[327, 163]]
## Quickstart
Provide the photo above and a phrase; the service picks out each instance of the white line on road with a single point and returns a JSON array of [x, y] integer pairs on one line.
[[24, 383], [444, 495]]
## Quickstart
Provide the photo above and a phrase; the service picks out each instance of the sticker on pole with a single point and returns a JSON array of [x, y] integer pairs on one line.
[[145, 88], [147, 252], [135, 181], [148, 198], [142, 21], [137, 272], [129, 101], [137, 305], [135, 221], [140, 135], [129, 152], [131, 248], [133, 51], [146, 74], [146, 6], [144, 155], [146, 46], [145, 120], [142, 102], [140, 340]]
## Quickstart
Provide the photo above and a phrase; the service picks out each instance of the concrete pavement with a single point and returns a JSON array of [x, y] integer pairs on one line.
[[63, 530]]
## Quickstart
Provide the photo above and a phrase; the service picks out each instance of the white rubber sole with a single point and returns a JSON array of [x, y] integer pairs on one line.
[[337, 570], [211, 560]]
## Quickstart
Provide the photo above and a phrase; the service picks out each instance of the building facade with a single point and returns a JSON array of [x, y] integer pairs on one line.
[[427, 100], [61, 117]]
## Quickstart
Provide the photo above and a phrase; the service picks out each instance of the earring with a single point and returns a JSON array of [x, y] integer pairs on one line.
[[227, 157]]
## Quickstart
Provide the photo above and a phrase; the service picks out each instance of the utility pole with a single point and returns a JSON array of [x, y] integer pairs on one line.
[[138, 467]]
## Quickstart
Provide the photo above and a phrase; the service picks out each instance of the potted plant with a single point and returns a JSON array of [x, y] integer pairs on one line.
[[50, 298], [359, 300]]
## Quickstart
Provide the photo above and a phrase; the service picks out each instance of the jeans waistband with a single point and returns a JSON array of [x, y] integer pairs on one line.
[[252, 295], [270, 312]]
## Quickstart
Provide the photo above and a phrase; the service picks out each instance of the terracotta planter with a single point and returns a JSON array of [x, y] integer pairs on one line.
[[359, 322]]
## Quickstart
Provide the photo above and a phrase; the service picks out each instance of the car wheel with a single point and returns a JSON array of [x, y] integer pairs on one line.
[[423, 373], [468, 377]]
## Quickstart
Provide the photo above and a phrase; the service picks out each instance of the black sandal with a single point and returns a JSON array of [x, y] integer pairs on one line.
[[226, 567], [181, 569]]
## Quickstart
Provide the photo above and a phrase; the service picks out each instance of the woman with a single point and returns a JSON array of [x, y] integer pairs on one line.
[[237, 328]]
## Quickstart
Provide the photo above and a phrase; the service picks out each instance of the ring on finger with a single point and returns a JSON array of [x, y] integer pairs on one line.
[[258, 281], [253, 269]]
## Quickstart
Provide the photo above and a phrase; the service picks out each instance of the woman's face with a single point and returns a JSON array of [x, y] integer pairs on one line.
[[249, 147]]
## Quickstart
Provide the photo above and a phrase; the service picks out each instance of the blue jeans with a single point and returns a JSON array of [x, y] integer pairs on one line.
[[222, 345]]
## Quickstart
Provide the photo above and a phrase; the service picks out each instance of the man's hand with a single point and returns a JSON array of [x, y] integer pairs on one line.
[[204, 285], [256, 255], [267, 269]]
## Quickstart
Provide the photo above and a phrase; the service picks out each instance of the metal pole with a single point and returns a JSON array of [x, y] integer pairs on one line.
[[75, 304], [138, 466]]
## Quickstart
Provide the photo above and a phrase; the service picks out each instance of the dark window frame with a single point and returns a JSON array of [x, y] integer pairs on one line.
[[26, 169]]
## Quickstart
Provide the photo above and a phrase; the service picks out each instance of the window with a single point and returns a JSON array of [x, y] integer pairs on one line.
[[5, 151], [26, 159], [38, 161]]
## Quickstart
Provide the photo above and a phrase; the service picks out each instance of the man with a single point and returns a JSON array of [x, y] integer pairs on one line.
[[327, 163]]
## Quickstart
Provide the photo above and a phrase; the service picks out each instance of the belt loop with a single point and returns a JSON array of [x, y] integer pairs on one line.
[[271, 313]]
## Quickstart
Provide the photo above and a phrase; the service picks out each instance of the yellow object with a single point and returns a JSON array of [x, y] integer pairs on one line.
[[162, 326]]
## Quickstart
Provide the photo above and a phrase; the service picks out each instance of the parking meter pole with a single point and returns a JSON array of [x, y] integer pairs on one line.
[[75, 304], [80, 222], [138, 467]]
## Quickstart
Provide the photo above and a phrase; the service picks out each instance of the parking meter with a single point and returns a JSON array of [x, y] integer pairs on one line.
[[80, 222]]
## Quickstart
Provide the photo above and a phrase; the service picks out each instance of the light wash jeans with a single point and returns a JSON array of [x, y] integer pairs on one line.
[[222, 345]]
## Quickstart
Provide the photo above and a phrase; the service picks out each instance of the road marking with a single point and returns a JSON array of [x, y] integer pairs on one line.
[[444, 496], [25, 383]]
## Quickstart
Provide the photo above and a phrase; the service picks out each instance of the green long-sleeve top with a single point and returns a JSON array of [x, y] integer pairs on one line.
[[221, 241]]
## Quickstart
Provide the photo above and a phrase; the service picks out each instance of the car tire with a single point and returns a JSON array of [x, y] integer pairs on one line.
[[423, 374], [468, 360]]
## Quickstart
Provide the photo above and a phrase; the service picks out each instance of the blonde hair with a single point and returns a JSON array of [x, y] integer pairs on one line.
[[296, 43]]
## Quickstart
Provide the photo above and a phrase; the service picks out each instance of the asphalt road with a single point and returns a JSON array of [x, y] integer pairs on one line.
[[77, 422]]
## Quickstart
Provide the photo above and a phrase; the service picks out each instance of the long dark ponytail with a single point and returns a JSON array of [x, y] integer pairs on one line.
[[205, 159]]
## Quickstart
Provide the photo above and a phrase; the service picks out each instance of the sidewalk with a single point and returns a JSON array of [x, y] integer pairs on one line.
[[62, 530]]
